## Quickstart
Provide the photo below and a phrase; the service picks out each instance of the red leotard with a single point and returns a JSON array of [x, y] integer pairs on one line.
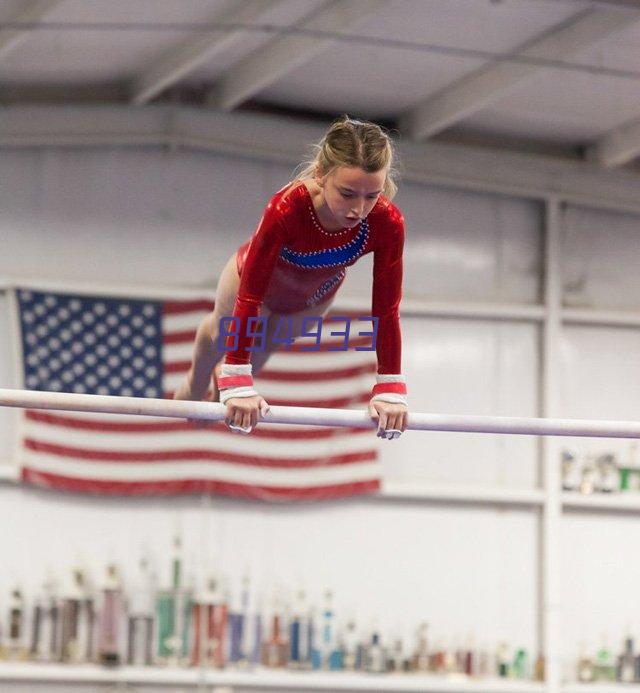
[[292, 263]]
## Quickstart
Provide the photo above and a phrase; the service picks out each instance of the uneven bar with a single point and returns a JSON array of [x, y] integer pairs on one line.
[[308, 416]]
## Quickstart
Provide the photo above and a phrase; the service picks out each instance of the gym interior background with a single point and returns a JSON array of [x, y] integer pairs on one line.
[[139, 144]]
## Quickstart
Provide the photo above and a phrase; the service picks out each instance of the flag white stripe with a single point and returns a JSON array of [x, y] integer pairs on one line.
[[197, 439], [220, 471], [182, 322]]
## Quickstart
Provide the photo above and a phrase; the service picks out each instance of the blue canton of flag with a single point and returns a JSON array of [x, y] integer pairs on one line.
[[91, 345]]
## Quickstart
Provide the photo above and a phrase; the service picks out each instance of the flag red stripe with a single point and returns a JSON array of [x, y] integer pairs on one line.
[[195, 454], [111, 426], [179, 307], [188, 486], [179, 337]]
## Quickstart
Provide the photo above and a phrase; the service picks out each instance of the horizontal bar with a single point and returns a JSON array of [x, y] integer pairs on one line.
[[308, 416]]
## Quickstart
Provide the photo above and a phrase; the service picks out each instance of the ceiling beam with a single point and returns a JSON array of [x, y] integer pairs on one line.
[[617, 147], [485, 86], [196, 51], [31, 12], [286, 141], [274, 60]]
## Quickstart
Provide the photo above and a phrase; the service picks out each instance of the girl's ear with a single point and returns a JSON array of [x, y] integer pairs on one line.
[[318, 177]]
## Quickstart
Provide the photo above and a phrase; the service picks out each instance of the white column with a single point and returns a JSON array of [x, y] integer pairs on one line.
[[551, 513]]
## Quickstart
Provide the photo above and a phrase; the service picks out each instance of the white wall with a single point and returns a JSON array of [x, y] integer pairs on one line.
[[143, 217]]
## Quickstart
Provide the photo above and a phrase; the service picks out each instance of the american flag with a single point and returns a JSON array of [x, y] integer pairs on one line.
[[142, 348]]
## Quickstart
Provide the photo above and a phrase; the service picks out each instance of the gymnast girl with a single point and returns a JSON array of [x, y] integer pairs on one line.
[[336, 210]]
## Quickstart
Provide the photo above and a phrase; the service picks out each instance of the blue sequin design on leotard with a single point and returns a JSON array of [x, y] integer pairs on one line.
[[342, 255]]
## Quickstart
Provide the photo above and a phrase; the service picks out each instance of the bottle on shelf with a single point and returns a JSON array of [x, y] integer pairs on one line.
[[78, 619], [608, 474], [605, 669], [586, 667], [396, 659], [376, 659], [350, 658], [627, 663], [275, 647], [503, 660], [630, 472], [520, 668], [45, 631], [588, 479], [140, 619], [173, 606], [300, 634], [470, 657], [210, 619], [111, 619], [326, 642], [15, 641], [238, 624], [539, 668], [570, 471], [420, 659]]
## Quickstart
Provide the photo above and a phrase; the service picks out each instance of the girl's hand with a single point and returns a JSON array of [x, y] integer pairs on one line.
[[242, 413], [392, 418]]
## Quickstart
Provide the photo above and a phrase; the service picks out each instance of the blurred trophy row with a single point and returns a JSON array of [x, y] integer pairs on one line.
[[191, 622], [607, 472]]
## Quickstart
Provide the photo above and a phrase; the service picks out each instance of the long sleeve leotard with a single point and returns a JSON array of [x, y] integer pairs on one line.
[[291, 263]]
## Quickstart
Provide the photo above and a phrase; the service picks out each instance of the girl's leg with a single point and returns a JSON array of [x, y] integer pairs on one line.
[[206, 354]]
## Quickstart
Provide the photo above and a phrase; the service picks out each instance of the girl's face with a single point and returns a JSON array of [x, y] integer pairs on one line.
[[351, 193]]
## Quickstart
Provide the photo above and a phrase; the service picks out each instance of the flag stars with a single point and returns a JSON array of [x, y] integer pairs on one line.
[[79, 344]]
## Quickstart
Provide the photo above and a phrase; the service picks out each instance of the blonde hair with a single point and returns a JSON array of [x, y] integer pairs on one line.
[[350, 142]]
